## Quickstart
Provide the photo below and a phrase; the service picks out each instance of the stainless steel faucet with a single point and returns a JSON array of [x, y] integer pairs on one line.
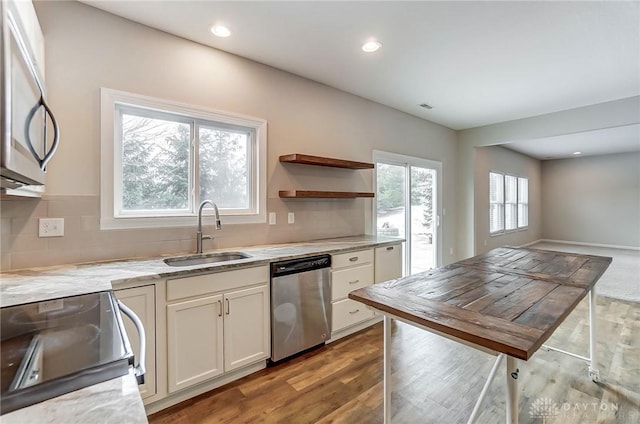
[[199, 236]]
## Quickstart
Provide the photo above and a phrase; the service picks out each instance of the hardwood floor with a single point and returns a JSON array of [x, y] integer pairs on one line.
[[436, 380]]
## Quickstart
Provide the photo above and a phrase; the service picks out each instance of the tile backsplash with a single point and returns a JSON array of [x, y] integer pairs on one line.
[[83, 241]]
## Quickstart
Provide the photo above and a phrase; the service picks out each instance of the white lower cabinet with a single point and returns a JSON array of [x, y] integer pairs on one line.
[[220, 327], [194, 341], [388, 263], [246, 327], [143, 303], [349, 271]]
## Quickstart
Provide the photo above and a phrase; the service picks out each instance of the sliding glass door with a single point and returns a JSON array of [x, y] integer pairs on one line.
[[407, 206]]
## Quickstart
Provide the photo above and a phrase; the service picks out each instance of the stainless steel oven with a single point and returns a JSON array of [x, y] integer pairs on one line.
[[54, 347], [24, 112]]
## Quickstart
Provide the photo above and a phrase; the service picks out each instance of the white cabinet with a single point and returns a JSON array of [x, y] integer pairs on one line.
[[388, 263], [194, 341], [349, 271], [246, 327], [216, 323], [142, 301]]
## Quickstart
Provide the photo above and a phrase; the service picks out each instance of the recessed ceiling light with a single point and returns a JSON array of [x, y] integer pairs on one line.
[[577, 153], [220, 31], [371, 46]]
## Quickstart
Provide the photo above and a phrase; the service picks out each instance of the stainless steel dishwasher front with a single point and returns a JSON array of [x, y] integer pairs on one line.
[[300, 305]]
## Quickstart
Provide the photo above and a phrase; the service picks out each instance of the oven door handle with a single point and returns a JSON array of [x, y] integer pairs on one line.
[[139, 370]]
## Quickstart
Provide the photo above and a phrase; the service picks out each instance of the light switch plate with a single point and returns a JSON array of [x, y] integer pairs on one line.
[[51, 227], [272, 218], [291, 218]]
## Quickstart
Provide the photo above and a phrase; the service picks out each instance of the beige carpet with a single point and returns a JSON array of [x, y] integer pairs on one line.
[[620, 281]]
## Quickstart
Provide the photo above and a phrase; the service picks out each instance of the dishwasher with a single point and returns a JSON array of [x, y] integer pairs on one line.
[[300, 305]]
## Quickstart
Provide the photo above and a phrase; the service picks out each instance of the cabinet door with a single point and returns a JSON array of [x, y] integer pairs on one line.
[[246, 327], [142, 301], [388, 263], [194, 341]]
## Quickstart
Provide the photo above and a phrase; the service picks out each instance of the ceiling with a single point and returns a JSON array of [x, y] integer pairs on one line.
[[476, 62], [589, 143]]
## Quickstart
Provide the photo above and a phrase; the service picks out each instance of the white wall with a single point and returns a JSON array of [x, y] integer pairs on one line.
[[604, 115], [87, 49], [496, 158], [592, 199]]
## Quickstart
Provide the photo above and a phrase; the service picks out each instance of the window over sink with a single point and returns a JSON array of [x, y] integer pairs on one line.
[[160, 159]]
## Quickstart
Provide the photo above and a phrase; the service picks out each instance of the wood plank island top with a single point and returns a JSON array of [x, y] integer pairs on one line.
[[508, 300]]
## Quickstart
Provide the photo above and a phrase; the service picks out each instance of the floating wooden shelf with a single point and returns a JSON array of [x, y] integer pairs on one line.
[[311, 194], [322, 161]]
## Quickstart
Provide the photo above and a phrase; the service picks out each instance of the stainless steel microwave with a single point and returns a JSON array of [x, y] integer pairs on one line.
[[25, 117]]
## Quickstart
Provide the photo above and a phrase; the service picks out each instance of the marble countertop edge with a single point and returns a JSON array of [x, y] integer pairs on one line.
[[45, 283]]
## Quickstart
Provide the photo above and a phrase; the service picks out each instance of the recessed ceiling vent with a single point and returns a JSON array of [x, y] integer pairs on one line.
[[426, 106]]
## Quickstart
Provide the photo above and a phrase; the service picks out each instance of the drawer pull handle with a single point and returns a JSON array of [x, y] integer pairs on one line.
[[354, 282], [354, 312], [390, 248], [353, 259]]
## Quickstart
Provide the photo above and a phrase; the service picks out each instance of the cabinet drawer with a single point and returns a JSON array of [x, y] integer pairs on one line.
[[353, 258], [388, 263], [349, 279], [348, 312], [198, 285]]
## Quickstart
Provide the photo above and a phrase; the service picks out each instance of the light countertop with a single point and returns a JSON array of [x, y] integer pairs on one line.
[[116, 401], [38, 284]]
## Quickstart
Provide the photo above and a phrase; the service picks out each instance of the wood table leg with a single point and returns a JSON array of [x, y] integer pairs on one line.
[[594, 373], [387, 370], [512, 390]]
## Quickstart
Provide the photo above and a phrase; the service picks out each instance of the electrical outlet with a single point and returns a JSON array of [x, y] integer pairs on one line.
[[272, 218], [451, 250], [291, 217], [51, 227]]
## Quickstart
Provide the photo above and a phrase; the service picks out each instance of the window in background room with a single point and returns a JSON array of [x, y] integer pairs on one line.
[[523, 202], [162, 159], [496, 202], [510, 202]]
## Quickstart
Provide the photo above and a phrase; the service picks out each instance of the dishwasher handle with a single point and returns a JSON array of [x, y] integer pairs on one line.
[[139, 370]]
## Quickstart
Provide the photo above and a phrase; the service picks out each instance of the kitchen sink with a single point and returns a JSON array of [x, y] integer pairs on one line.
[[206, 258]]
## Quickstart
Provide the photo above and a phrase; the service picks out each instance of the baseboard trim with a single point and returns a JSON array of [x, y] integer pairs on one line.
[[579, 243], [531, 243]]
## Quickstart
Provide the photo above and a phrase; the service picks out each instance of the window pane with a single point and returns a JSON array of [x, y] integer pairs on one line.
[[496, 204], [523, 202], [510, 202], [155, 164], [390, 199], [496, 189], [225, 176]]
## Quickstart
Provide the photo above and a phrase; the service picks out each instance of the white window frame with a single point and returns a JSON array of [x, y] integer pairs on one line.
[[518, 226], [111, 156]]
